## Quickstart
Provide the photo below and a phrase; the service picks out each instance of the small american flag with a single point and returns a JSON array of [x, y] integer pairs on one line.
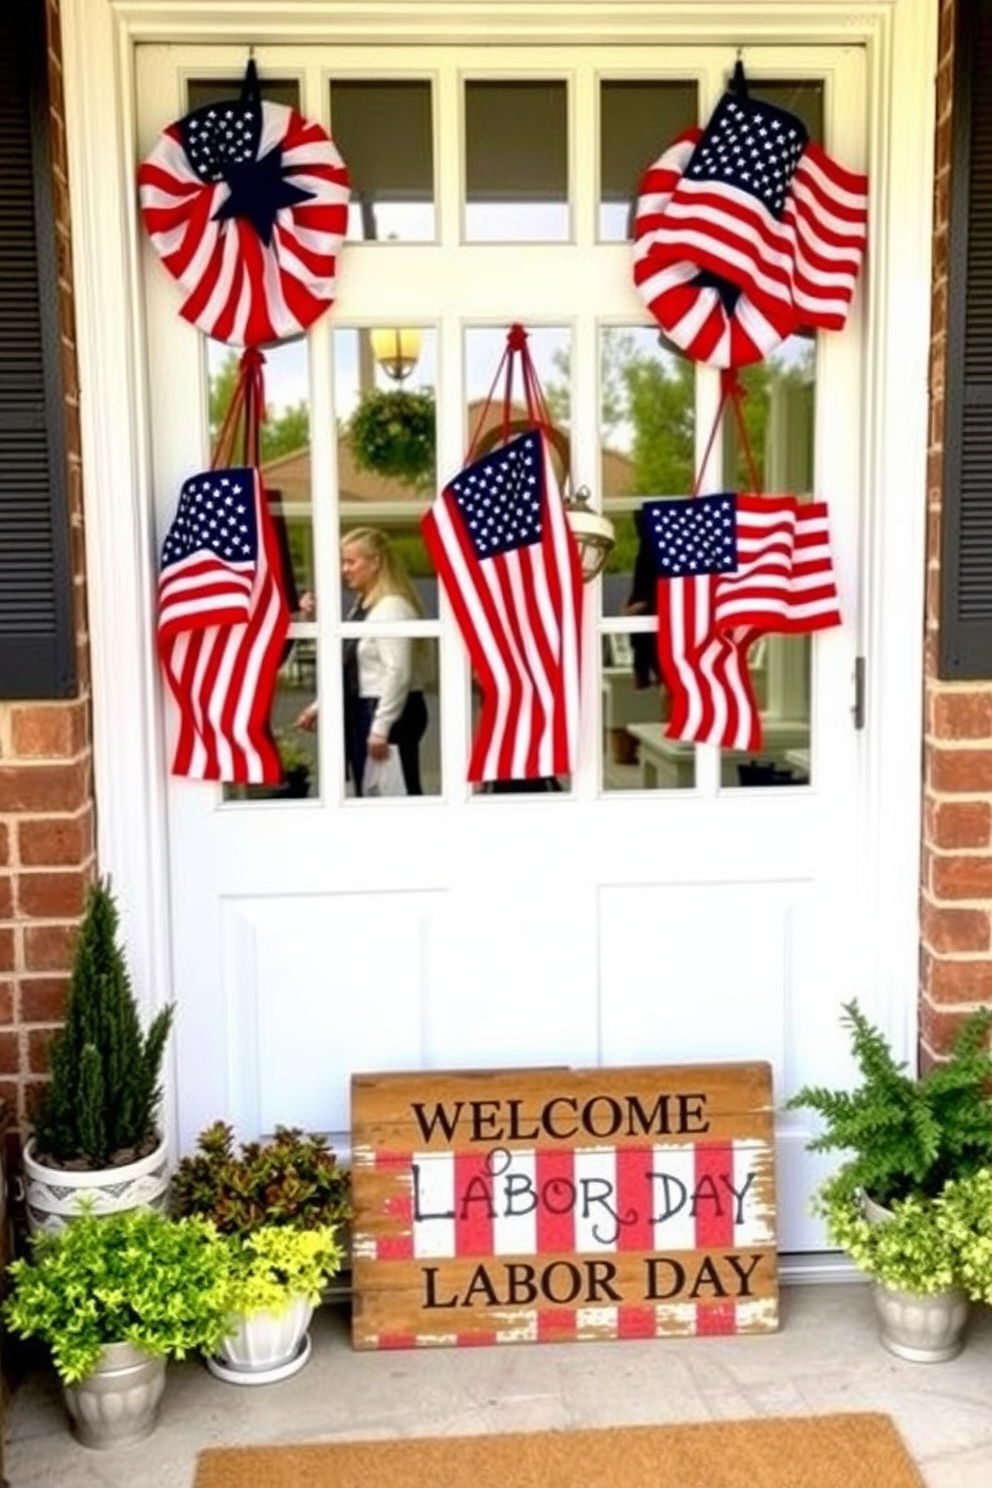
[[739, 566], [222, 624], [501, 543], [746, 232]]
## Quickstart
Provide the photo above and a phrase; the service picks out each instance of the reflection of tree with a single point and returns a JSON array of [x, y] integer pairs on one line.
[[281, 435]]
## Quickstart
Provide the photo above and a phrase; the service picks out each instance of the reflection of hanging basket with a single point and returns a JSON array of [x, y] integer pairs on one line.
[[392, 433]]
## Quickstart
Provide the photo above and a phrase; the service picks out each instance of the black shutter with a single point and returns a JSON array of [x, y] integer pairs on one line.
[[966, 528], [37, 649]]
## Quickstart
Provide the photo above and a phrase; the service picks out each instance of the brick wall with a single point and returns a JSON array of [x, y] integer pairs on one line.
[[47, 852], [956, 862]]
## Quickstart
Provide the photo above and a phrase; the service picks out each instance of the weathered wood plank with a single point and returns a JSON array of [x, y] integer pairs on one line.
[[535, 1203]]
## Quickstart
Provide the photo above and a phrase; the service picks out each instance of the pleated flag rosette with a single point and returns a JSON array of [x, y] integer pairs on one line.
[[746, 232], [246, 204]]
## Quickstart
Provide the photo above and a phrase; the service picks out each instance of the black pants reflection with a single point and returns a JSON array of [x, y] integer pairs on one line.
[[406, 733]]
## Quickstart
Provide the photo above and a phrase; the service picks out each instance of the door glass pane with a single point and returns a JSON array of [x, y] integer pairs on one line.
[[516, 162], [386, 440], [200, 91], [637, 120], [804, 97], [384, 397], [296, 690], [384, 130], [391, 691], [779, 415], [647, 434]]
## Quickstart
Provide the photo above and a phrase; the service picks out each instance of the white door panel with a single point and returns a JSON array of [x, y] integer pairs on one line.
[[315, 938]]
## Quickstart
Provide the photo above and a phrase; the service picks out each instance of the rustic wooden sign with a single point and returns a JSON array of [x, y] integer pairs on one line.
[[553, 1204]]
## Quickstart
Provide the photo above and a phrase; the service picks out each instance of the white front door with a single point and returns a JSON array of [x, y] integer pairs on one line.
[[667, 904]]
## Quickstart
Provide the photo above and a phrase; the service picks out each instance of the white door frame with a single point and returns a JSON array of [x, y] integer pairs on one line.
[[900, 38]]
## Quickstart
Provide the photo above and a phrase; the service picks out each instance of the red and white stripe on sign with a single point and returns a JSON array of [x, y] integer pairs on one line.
[[666, 1201]]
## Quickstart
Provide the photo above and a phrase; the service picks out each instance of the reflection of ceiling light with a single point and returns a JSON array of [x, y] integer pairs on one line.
[[593, 533], [396, 352]]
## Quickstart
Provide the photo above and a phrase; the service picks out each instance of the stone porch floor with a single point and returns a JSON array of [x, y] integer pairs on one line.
[[826, 1357]]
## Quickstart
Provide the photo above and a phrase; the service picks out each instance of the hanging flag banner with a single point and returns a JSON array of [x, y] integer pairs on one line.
[[223, 619], [554, 1205], [746, 232], [730, 568], [246, 203], [500, 540]]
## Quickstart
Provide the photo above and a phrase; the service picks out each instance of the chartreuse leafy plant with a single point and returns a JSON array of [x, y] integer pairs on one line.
[[136, 1277], [294, 1179], [276, 1263], [101, 1104], [966, 1216], [911, 1250], [907, 1135]]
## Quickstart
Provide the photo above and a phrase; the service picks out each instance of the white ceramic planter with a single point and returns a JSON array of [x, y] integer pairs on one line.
[[923, 1329], [53, 1196], [118, 1404], [264, 1347]]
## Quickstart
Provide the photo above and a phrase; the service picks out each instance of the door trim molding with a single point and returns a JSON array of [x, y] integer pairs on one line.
[[900, 38]]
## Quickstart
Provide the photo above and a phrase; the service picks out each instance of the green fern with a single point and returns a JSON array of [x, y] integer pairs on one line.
[[907, 1135]]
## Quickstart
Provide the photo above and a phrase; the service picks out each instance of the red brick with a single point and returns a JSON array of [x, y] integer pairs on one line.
[[956, 982], [4, 845], [45, 787], [6, 896], [6, 1002], [962, 877], [38, 1042], [950, 930], [43, 999], [48, 730], [30, 1096], [52, 896], [960, 770], [50, 947], [56, 841], [947, 824], [10, 1052], [6, 949], [938, 1027], [962, 715]]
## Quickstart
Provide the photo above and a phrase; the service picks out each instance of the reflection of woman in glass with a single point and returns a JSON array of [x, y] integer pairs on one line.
[[383, 691]]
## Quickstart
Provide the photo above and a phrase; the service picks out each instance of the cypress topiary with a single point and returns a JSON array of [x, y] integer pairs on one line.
[[101, 1104]]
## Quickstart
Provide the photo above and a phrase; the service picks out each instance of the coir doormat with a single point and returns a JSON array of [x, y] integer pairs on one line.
[[834, 1451]]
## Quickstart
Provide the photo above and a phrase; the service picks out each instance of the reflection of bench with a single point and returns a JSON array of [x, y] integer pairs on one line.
[[670, 762]]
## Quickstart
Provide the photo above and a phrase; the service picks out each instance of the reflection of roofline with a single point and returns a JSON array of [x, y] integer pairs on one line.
[[366, 492]]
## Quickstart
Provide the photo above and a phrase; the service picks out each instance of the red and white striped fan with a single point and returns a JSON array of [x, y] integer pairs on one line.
[[745, 232], [246, 203]]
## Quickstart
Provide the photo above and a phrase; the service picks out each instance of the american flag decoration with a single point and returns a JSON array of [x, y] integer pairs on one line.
[[501, 544], [222, 626], [746, 232], [730, 568], [246, 203]]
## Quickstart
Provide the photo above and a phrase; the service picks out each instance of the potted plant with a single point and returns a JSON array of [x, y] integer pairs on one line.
[[281, 1205], [914, 1262], [966, 1214], [905, 1134], [95, 1130], [114, 1296]]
